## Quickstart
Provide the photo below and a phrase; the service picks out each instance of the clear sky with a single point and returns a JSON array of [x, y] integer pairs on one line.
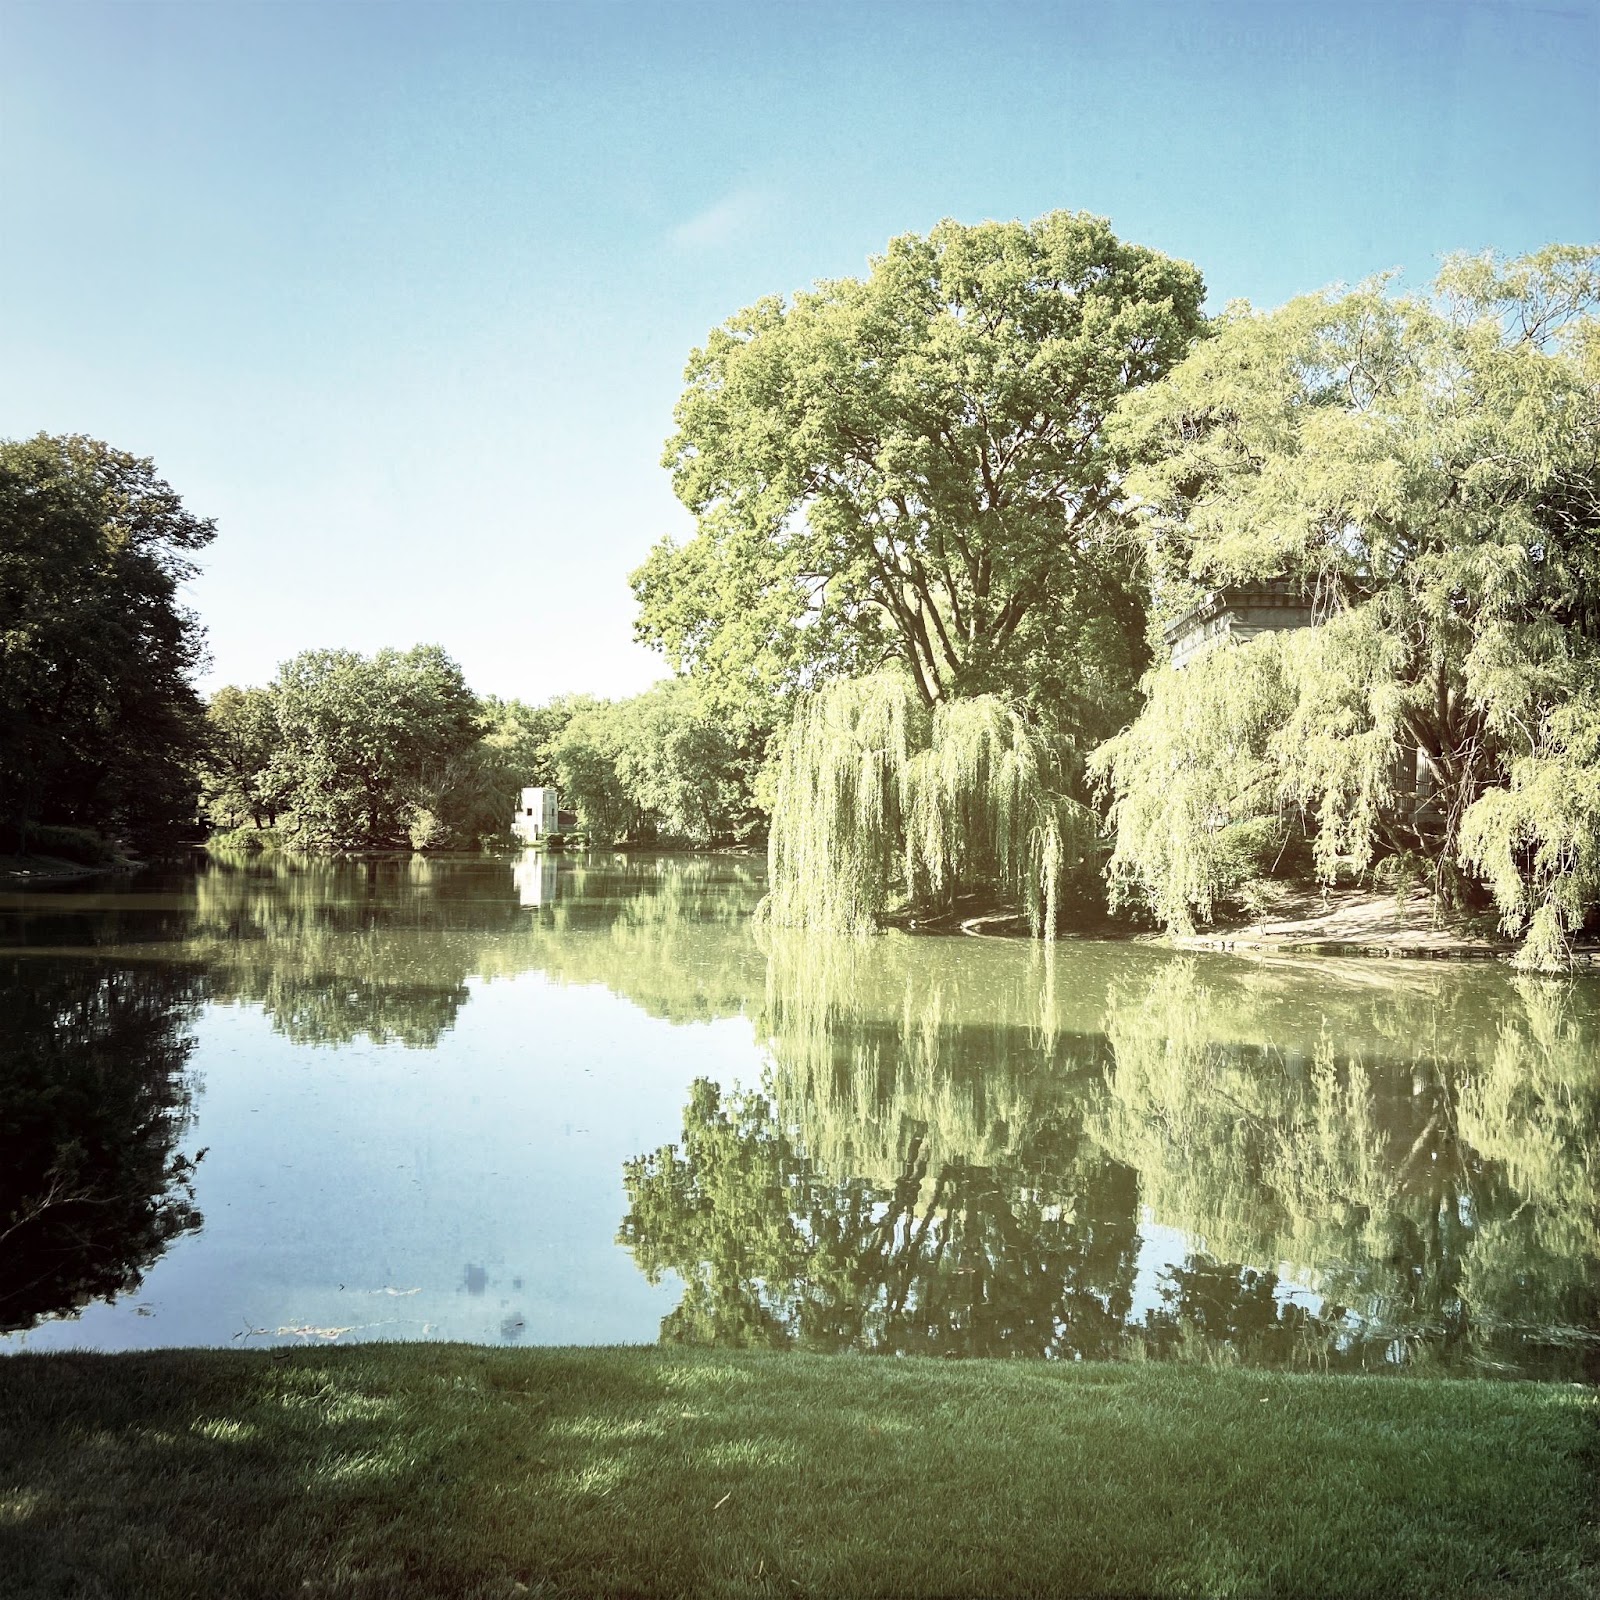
[[401, 294]]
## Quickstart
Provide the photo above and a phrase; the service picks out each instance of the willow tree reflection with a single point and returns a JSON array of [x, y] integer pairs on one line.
[[1369, 1169], [1427, 1170], [670, 934], [93, 1097]]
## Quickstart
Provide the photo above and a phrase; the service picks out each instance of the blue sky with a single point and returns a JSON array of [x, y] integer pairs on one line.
[[402, 294]]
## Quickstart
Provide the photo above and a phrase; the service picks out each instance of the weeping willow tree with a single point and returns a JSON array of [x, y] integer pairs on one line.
[[1425, 467], [1294, 733], [880, 798]]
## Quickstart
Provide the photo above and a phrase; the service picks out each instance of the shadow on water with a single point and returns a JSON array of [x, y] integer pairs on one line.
[[94, 1094]]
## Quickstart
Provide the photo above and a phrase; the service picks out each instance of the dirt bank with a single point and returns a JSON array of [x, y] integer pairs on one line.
[[1358, 922]]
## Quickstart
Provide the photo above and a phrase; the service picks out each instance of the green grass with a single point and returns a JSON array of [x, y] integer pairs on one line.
[[450, 1470]]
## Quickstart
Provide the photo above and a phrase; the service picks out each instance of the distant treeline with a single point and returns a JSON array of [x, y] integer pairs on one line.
[[393, 750]]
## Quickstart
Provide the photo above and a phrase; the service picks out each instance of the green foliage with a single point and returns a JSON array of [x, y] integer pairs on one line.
[[1424, 470], [373, 751], [878, 796], [234, 777], [391, 751], [82, 845], [245, 841], [654, 767], [518, 737], [1194, 764], [911, 466], [1537, 840], [99, 724], [1237, 753]]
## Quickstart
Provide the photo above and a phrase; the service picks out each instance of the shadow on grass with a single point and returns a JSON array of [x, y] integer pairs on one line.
[[456, 1471]]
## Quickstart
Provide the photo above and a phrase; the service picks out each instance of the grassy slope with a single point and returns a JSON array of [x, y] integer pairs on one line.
[[454, 1470]]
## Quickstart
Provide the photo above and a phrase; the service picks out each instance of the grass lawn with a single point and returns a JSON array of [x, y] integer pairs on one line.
[[453, 1470]]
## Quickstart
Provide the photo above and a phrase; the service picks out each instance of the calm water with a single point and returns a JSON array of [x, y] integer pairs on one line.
[[565, 1101]]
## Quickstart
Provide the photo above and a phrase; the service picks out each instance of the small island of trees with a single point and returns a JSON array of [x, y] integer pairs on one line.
[[948, 517]]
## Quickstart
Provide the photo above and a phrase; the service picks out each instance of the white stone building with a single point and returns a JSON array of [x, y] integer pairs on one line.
[[538, 813]]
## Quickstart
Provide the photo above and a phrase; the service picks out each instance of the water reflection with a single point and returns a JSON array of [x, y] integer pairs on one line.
[[339, 950], [944, 1145], [1433, 1177], [94, 1093], [950, 1157], [383, 950], [1033, 1258]]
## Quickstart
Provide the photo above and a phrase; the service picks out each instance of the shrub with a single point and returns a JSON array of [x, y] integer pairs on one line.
[[244, 841], [82, 845]]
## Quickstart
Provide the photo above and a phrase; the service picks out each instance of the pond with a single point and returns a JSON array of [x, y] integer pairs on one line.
[[568, 1100]]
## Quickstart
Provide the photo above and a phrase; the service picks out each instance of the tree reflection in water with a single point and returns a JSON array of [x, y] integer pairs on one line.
[[958, 1143], [93, 1097], [947, 1259], [1395, 1186], [1433, 1181], [338, 950]]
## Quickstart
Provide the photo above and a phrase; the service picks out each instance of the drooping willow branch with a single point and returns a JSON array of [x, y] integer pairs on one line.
[[880, 797]]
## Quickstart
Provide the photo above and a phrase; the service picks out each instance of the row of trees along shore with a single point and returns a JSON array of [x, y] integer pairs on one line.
[[944, 517], [947, 512]]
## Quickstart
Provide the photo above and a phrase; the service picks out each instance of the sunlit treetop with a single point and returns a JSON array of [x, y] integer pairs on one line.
[[912, 466]]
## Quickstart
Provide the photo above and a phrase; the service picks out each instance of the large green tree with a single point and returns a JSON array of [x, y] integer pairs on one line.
[[518, 736], [912, 465], [99, 723], [242, 725], [374, 751], [1427, 470], [658, 765]]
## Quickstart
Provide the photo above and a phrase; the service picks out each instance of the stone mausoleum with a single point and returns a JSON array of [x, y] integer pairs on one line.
[[1239, 613], [538, 814]]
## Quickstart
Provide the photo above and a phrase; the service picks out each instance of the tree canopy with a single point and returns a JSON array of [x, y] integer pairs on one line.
[[99, 723], [243, 737], [1426, 469], [913, 466], [373, 751], [658, 765]]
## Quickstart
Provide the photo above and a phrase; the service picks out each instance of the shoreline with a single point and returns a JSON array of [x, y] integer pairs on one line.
[[30, 871], [1362, 923], [1343, 923]]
